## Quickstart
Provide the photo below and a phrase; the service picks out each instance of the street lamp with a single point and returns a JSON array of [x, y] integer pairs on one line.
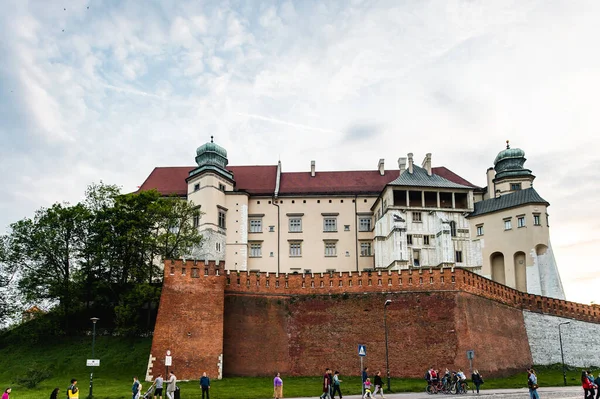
[[94, 321], [387, 357], [562, 355]]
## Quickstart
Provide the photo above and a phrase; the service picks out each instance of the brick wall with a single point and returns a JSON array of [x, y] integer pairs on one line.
[[190, 320], [297, 324]]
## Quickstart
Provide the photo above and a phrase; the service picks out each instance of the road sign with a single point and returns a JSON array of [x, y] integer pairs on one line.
[[92, 362], [362, 350], [168, 353], [168, 360], [470, 355]]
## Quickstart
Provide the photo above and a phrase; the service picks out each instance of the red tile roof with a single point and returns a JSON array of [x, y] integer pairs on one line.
[[260, 180]]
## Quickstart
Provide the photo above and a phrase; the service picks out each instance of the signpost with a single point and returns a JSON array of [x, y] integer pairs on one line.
[[168, 362], [92, 362], [471, 356], [362, 352]]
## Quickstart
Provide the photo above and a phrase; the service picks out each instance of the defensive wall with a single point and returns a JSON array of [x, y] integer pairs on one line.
[[256, 323]]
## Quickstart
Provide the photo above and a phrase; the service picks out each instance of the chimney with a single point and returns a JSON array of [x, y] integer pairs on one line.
[[401, 165], [410, 163], [312, 169], [427, 164], [380, 167], [491, 187]]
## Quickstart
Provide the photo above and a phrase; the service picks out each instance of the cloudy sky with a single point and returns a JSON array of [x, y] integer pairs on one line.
[[107, 90]]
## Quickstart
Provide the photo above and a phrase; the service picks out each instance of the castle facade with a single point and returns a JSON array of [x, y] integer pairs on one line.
[[259, 218]]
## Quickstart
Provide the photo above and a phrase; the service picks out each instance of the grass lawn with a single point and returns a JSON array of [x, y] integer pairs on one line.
[[121, 358]]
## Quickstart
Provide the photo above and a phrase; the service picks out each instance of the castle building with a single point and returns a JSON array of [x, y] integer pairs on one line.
[[259, 218]]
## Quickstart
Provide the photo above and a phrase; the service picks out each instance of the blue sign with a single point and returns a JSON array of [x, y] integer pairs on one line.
[[362, 350]]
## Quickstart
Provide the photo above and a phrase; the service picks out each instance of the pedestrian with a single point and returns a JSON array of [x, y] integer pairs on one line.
[[136, 388], [205, 385], [73, 391], [326, 390], [378, 382], [532, 384], [172, 383], [367, 387], [597, 383], [336, 385], [54, 394], [277, 387], [330, 376], [365, 375], [587, 385], [6, 394], [158, 386], [590, 377], [477, 379]]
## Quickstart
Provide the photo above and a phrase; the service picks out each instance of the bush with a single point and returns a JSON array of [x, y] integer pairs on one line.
[[33, 376]]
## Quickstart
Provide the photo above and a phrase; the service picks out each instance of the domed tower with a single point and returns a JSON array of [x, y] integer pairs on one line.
[[207, 187], [509, 174]]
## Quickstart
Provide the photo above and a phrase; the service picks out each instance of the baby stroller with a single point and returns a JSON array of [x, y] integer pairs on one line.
[[149, 392]]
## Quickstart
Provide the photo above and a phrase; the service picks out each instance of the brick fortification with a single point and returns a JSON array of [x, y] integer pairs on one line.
[[248, 323]]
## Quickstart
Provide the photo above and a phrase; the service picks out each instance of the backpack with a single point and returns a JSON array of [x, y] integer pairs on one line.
[[427, 376]]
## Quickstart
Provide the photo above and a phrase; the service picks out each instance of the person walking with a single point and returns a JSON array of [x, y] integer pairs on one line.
[[54, 394], [597, 382], [73, 391], [326, 390], [136, 388], [172, 384], [365, 375], [477, 379], [158, 387], [205, 385], [277, 387], [587, 385], [378, 382], [336, 385], [6, 394], [532, 384], [367, 394]]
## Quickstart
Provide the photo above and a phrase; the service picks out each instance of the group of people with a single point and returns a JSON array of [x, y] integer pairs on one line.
[[371, 389], [433, 378], [590, 385], [331, 384]]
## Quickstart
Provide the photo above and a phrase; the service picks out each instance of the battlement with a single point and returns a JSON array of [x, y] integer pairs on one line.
[[412, 280]]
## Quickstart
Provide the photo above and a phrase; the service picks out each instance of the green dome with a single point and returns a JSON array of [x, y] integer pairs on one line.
[[211, 147], [211, 154], [510, 163]]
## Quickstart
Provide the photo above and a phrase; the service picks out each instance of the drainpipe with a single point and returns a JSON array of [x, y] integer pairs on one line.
[[275, 195], [356, 229]]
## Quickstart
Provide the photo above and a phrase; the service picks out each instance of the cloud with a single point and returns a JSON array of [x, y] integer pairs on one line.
[[129, 86]]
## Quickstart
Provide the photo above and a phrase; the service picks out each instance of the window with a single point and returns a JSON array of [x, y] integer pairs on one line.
[[255, 225], [547, 220], [255, 250], [196, 186], [425, 240], [196, 220], [330, 249], [218, 247], [271, 229], [521, 221], [174, 228], [515, 186], [295, 249], [536, 219], [507, 224], [221, 187], [416, 216], [346, 227], [480, 230], [365, 249], [222, 219], [458, 256], [364, 224], [409, 240], [330, 224], [453, 228], [296, 225]]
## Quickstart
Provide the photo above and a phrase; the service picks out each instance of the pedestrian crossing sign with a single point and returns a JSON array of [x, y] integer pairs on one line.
[[362, 350]]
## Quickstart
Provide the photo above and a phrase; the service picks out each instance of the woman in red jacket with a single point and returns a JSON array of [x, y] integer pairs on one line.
[[587, 385]]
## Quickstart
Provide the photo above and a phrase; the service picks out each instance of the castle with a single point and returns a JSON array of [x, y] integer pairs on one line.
[[259, 218], [296, 268]]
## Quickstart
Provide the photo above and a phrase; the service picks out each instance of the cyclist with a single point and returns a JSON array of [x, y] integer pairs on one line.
[[462, 381]]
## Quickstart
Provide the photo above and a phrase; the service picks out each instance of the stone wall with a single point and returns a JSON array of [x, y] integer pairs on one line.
[[580, 339]]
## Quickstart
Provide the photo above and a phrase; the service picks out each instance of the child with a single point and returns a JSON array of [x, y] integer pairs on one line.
[[368, 389]]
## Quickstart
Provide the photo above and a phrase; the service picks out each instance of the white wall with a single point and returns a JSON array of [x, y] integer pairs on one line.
[[581, 340]]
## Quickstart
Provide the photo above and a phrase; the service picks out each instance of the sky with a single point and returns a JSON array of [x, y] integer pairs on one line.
[[107, 90]]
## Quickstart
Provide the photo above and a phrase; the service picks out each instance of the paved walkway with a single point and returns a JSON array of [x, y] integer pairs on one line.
[[545, 393]]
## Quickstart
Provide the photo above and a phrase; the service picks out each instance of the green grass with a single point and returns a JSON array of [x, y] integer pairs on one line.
[[121, 358]]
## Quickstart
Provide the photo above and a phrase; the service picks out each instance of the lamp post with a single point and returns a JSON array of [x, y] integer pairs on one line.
[[94, 321], [387, 357], [562, 355]]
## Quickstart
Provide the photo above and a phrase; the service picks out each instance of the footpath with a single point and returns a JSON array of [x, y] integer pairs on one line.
[[544, 393]]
